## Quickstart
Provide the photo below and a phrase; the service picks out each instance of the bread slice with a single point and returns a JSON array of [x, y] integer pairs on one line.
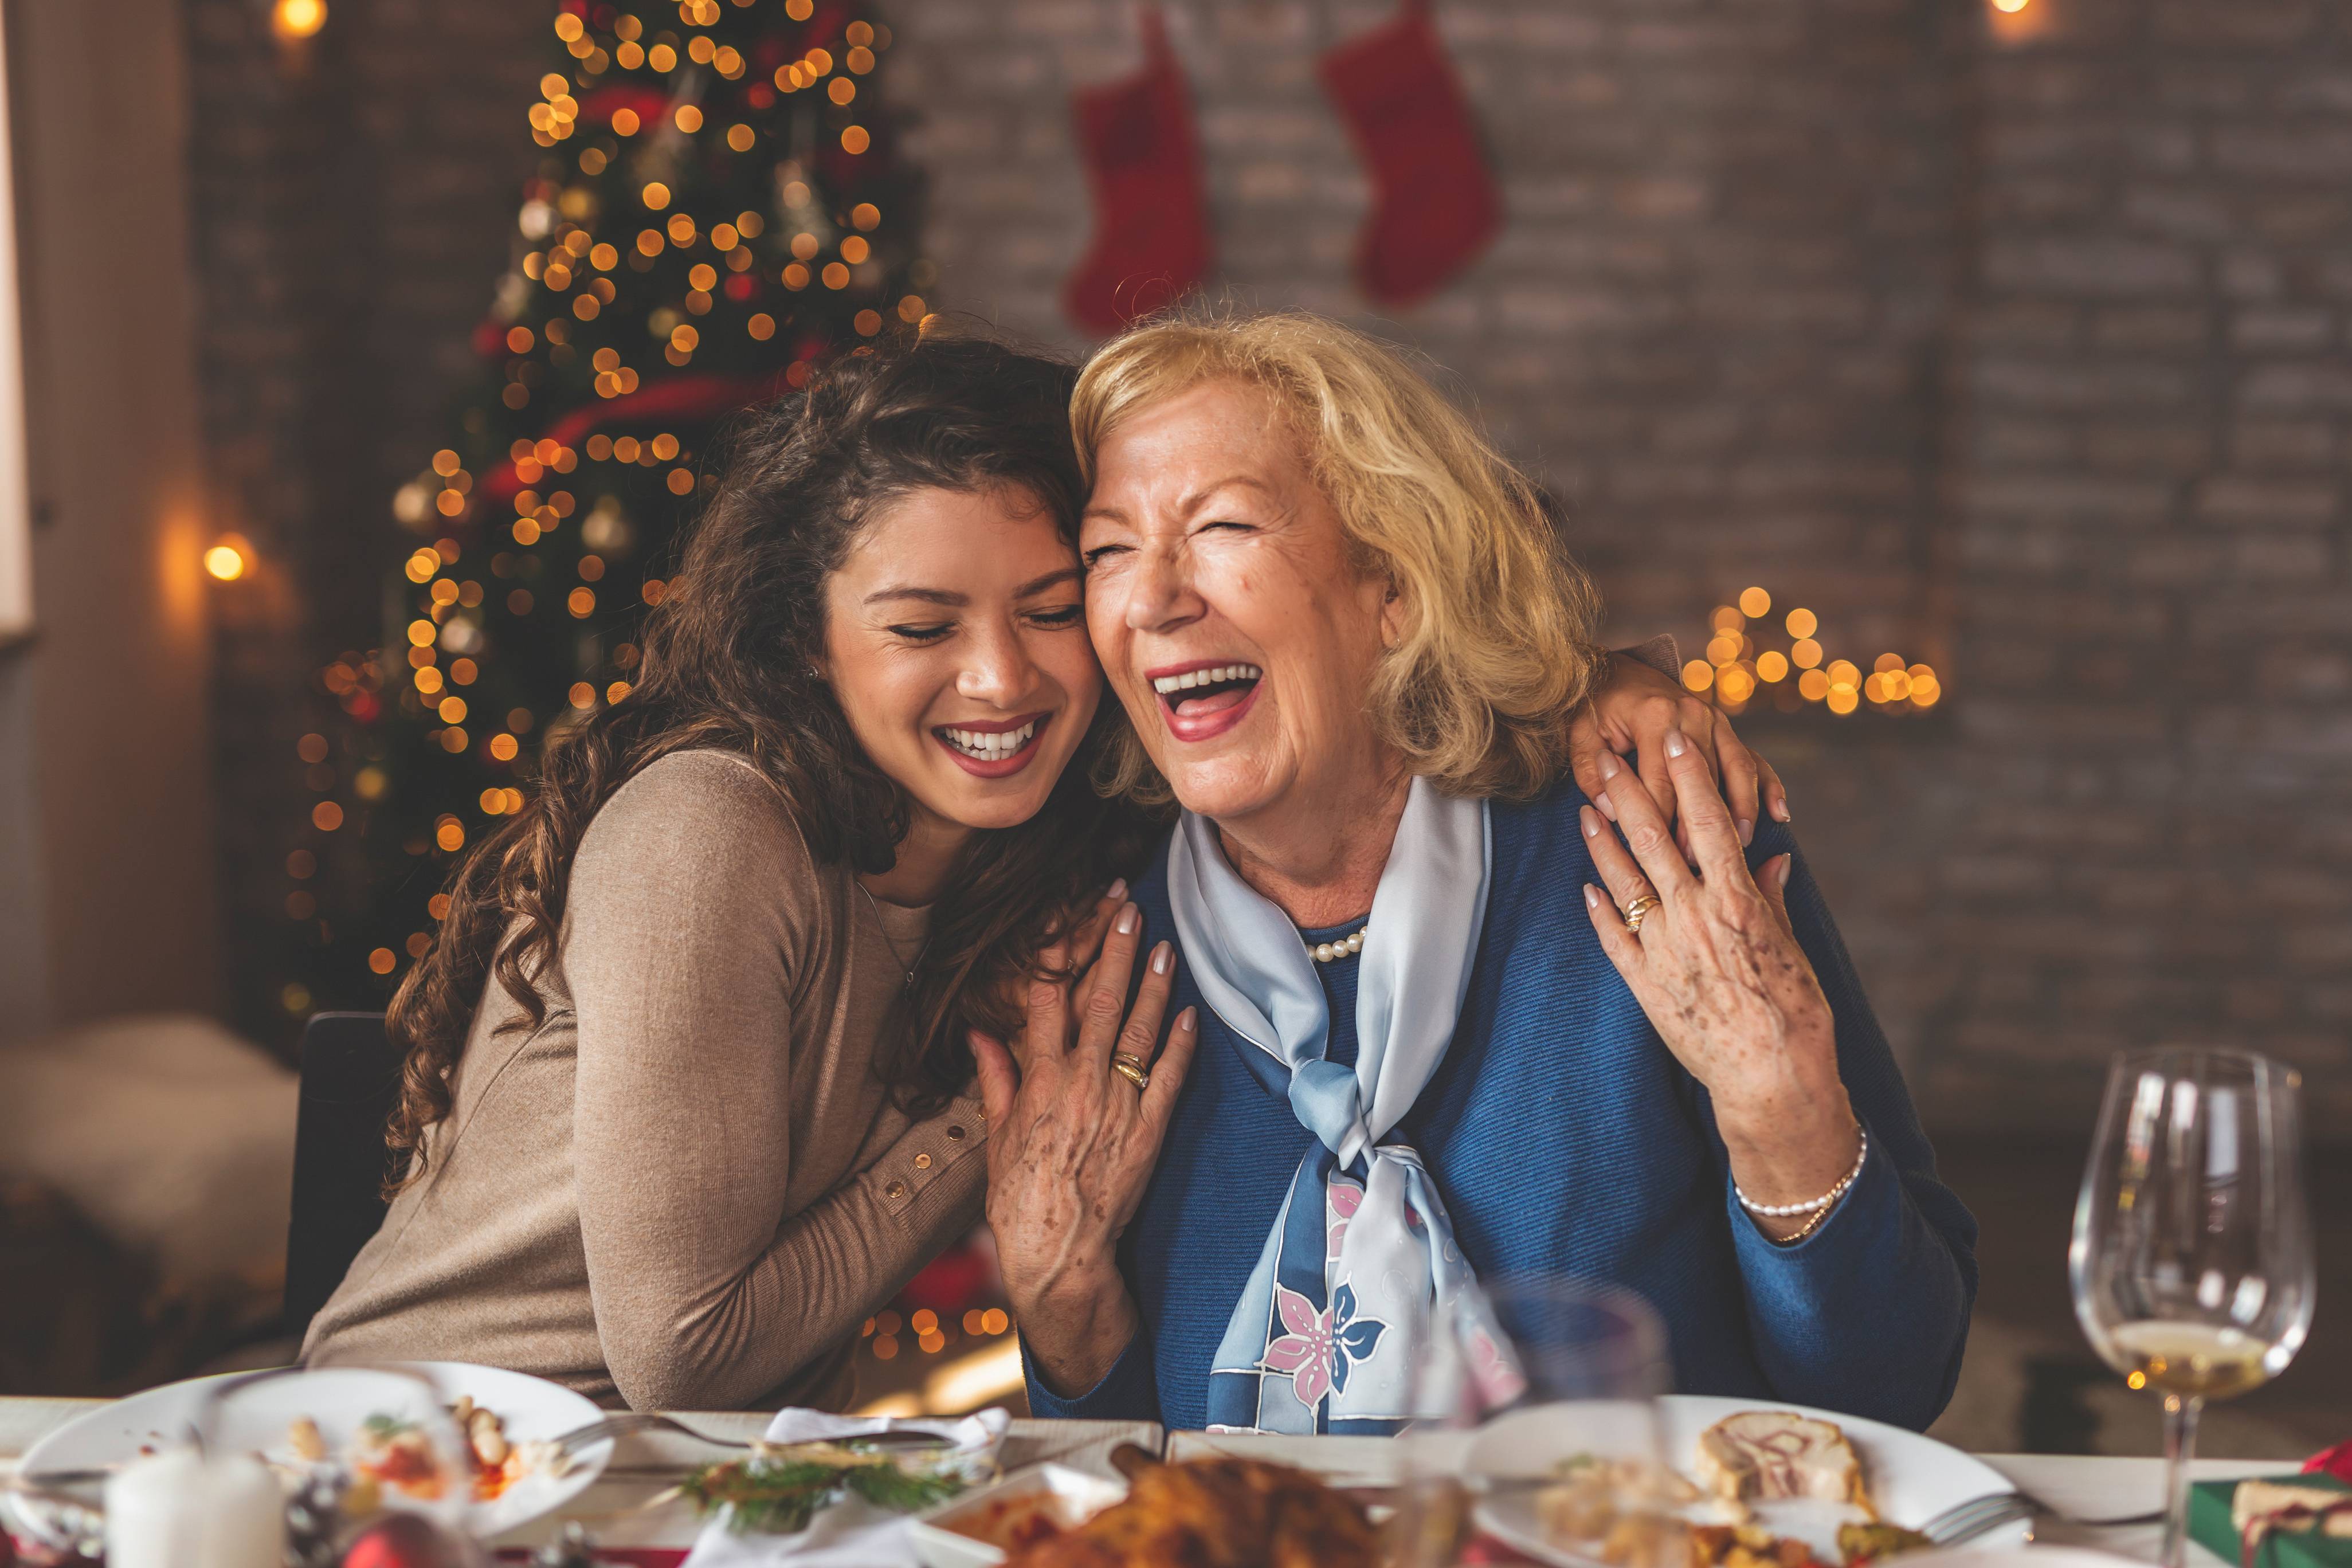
[[1768, 1455]]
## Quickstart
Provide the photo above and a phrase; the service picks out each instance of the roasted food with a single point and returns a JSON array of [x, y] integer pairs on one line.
[[1215, 1513], [1772, 1454], [1860, 1544]]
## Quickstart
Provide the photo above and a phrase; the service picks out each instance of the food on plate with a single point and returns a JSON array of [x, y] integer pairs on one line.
[[777, 1492], [1747, 1546], [1591, 1495], [1765, 1454], [1213, 1513], [391, 1454], [1868, 1543], [1018, 1522]]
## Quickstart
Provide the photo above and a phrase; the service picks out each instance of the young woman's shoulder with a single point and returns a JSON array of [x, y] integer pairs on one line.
[[700, 821]]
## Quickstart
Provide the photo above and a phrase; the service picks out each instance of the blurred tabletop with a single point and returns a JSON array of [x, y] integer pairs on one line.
[[619, 1509]]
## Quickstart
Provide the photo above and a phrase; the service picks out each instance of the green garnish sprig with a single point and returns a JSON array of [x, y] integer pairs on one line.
[[774, 1495]]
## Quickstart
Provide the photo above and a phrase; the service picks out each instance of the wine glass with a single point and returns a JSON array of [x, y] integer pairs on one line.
[[2191, 1260], [1515, 1383]]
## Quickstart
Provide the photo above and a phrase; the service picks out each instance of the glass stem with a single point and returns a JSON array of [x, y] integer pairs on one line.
[[2179, 1445]]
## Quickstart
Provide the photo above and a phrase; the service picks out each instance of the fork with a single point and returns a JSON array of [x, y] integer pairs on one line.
[[572, 1444], [622, 1423], [1967, 1520]]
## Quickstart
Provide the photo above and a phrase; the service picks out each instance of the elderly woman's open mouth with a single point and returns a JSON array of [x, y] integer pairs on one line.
[[1205, 697], [993, 749]]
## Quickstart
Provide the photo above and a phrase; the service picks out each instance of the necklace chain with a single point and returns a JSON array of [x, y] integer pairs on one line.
[[884, 926]]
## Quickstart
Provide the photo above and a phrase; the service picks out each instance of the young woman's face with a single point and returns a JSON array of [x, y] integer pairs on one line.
[[956, 643]]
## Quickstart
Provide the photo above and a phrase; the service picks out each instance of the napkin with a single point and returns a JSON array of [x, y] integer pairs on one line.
[[853, 1533]]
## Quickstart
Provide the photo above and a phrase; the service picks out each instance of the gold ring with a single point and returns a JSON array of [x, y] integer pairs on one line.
[[1130, 1067], [1639, 911]]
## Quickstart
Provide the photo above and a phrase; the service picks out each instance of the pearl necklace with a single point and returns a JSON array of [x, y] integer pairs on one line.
[[1345, 947]]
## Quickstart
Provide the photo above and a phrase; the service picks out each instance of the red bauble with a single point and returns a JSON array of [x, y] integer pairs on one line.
[[408, 1540]]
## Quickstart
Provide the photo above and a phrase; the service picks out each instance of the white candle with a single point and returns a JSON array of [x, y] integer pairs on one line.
[[179, 1510]]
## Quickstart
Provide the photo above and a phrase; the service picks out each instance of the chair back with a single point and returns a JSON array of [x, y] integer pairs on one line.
[[351, 1080]]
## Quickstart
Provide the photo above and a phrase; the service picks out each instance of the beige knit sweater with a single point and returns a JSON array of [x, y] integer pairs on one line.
[[685, 1189]]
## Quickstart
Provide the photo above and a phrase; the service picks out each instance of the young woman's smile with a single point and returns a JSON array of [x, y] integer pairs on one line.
[[956, 643]]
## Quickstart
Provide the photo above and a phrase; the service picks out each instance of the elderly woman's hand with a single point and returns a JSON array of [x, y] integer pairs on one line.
[[1715, 965], [1071, 1142], [1633, 715]]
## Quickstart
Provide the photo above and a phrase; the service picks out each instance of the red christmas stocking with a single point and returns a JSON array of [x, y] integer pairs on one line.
[[1434, 202], [1151, 222]]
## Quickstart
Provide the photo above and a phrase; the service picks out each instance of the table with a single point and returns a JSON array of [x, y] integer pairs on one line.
[[645, 1464]]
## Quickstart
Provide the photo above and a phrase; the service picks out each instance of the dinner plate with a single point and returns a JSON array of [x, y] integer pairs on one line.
[[339, 1399], [1068, 1497], [1911, 1479]]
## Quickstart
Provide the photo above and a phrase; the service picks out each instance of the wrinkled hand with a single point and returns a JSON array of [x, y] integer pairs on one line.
[[1633, 714], [1071, 1144], [1716, 968]]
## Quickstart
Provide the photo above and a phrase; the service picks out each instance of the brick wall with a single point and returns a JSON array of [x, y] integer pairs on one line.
[[2021, 353], [2021, 350]]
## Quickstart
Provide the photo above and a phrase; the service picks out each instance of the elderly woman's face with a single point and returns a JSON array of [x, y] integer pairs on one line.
[[1224, 609]]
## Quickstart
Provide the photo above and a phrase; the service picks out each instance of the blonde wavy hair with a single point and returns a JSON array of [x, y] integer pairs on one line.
[[1497, 647]]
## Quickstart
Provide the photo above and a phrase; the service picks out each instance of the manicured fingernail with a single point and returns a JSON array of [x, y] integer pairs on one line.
[[1746, 832], [1591, 821], [1118, 890], [1609, 769], [1185, 1019], [1127, 918], [1160, 958], [1608, 807], [1788, 863], [1591, 899], [1780, 809], [1675, 745]]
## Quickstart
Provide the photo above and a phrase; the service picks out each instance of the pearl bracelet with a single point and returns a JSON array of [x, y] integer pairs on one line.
[[1784, 1210]]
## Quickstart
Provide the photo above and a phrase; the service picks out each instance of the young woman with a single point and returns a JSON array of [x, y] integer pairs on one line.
[[686, 1093]]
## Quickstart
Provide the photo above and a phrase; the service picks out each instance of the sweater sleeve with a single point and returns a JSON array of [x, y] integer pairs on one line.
[[1128, 1392], [1870, 1312], [689, 917]]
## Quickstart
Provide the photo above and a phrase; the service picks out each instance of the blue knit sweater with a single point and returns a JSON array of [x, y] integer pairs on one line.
[[1565, 1139]]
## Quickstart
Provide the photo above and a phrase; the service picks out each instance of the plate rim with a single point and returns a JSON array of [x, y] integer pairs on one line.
[[587, 1466], [1714, 1407]]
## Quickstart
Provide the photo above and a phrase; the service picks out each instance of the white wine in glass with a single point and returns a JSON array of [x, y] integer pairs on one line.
[[2191, 1260]]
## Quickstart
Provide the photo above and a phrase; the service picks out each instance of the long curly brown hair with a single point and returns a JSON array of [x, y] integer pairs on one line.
[[729, 660]]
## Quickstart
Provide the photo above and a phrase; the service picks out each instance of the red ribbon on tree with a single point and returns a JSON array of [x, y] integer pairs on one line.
[[1435, 206], [685, 398], [1152, 207]]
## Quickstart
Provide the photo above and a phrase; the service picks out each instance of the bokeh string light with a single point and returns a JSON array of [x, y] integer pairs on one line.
[[718, 206], [1739, 671]]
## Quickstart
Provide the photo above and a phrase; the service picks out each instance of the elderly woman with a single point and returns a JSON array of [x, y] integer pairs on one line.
[[1440, 1022]]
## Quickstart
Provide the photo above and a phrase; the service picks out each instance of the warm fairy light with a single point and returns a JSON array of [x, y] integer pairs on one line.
[[1738, 669], [296, 19], [2013, 6], [229, 559]]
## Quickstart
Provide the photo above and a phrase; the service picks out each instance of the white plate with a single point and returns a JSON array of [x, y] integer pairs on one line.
[[339, 1399], [1079, 1495], [1911, 1479]]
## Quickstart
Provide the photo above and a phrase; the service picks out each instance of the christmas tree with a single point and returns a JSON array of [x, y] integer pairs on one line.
[[719, 208]]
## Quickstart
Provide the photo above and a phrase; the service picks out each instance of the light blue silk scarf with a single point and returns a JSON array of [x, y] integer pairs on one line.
[[1362, 1255]]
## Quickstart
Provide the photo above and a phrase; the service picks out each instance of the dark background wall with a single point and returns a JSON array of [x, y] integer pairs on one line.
[[2017, 348]]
